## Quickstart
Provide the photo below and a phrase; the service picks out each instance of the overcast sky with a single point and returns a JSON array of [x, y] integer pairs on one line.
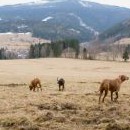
[[123, 3]]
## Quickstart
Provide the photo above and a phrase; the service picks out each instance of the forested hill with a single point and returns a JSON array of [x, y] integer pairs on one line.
[[60, 19], [117, 32]]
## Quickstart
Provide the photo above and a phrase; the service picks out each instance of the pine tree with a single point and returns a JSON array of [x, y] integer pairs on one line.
[[125, 55], [84, 53], [37, 51], [31, 51], [2, 53]]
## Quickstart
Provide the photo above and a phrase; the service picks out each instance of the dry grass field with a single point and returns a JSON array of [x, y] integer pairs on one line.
[[19, 41], [123, 41], [76, 108]]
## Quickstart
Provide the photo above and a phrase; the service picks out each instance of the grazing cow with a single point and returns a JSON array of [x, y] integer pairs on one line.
[[35, 83], [112, 85], [61, 82]]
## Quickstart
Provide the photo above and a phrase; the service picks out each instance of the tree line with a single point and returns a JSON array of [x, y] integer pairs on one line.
[[54, 49], [6, 54], [70, 48], [109, 52]]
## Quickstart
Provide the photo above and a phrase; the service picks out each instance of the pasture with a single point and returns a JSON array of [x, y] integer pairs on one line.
[[18, 41], [76, 108]]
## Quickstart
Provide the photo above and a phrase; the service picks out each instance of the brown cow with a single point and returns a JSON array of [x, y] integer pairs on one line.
[[35, 83], [112, 85]]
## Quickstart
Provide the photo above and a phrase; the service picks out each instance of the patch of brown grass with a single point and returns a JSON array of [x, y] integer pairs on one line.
[[75, 108]]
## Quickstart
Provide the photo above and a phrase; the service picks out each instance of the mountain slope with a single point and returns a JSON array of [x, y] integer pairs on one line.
[[117, 32], [61, 19]]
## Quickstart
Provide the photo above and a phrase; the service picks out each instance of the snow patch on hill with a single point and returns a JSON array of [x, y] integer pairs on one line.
[[85, 3], [47, 18], [82, 24], [73, 30]]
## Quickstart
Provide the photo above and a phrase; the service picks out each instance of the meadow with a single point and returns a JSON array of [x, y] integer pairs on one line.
[[76, 108]]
